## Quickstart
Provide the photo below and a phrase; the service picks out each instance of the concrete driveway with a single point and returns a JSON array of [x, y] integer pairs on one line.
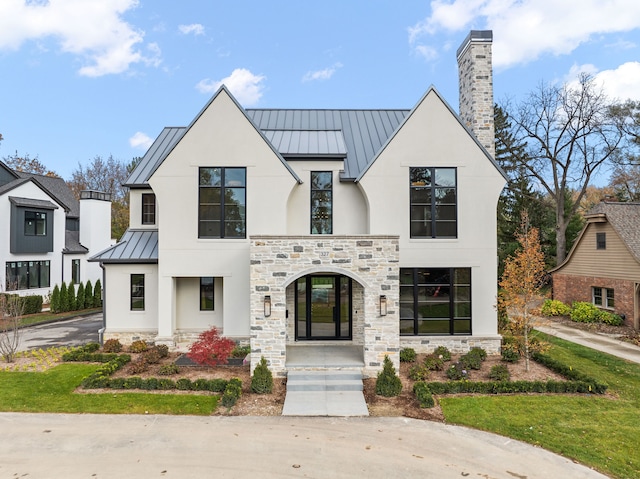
[[107, 446], [72, 332]]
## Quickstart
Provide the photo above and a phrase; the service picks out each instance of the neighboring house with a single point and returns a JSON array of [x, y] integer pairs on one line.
[[603, 267], [374, 228], [48, 235]]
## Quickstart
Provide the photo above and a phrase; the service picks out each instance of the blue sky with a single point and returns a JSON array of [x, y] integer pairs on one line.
[[81, 78]]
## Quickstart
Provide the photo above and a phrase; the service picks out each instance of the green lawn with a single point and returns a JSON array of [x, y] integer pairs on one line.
[[52, 391], [602, 432], [33, 319]]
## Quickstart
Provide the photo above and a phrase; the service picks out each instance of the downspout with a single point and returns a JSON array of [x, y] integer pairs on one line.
[[104, 307]]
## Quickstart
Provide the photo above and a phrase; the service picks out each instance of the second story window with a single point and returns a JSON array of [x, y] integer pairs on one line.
[[433, 198], [222, 203], [137, 292], [148, 209], [321, 203], [35, 223]]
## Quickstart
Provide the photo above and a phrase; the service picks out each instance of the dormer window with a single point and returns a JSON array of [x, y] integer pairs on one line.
[[148, 209]]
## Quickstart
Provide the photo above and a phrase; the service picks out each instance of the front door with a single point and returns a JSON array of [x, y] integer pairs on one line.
[[323, 307]]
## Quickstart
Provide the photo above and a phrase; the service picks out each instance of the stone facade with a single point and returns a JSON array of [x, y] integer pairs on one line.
[[455, 344], [569, 288], [476, 87], [372, 263]]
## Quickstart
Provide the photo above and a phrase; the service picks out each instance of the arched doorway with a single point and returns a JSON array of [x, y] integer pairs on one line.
[[323, 307]]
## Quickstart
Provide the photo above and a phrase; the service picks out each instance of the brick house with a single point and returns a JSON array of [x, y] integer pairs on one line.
[[603, 267], [369, 228]]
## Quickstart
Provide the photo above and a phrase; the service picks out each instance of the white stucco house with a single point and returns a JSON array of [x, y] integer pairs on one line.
[[373, 228], [48, 235]]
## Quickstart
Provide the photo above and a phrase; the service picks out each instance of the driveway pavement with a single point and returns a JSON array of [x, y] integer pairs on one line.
[[72, 332], [107, 446]]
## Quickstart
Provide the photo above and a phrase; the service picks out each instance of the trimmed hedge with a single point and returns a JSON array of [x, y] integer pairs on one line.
[[424, 395], [28, 304]]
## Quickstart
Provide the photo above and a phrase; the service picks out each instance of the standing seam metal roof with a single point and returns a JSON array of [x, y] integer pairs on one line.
[[136, 246]]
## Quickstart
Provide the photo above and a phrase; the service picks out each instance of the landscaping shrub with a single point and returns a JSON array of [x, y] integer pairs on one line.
[[211, 349], [607, 317], [32, 304], [80, 297], [419, 372], [54, 305], [97, 295], [112, 346], [138, 366], [457, 372], [240, 352], [553, 307], [423, 394], [388, 383], [150, 384], [88, 295], [64, 298], [583, 312], [100, 377], [499, 372], [71, 295], [166, 384], [478, 351], [163, 350], [443, 352], [138, 346], [433, 362], [151, 356], [168, 370], [262, 379], [470, 361], [510, 350], [184, 384], [232, 393], [133, 382], [407, 355]]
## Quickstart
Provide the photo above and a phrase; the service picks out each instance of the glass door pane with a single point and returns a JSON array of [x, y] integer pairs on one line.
[[323, 306]]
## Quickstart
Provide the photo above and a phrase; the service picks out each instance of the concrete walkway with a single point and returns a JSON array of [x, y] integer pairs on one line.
[[600, 342]]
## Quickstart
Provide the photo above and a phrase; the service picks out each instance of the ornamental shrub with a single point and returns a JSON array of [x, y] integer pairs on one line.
[[80, 297], [168, 369], [419, 372], [64, 298], [232, 393], [262, 379], [553, 307], [138, 346], [138, 366], [499, 372], [610, 318], [211, 349], [583, 312], [54, 305], [71, 295], [470, 361], [478, 351], [407, 355], [97, 295], [443, 352], [423, 394], [151, 356], [88, 295], [112, 346], [433, 362], [184, 384], [388, 383], [31, 304], [240, 352], [457, 372]]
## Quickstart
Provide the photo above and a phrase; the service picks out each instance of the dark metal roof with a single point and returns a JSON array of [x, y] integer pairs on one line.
[[72, 243], [136, 246], [305, 143], [32, 203]]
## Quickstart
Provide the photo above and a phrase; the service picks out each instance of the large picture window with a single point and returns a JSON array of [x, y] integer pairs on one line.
[[137, 292], [433, 198], [148, 209], [27, 275], [35, 223], [222, 203], [206, 294], [321, 202], [435, 301]]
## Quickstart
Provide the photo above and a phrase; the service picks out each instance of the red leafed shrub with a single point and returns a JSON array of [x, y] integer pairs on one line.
[[211, 349]]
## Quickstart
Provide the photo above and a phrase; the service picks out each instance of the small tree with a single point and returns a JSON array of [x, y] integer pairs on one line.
[[54, 304], [262, 379], [88, 295], [211, 349], [521, 283], [388, 383], [80, 297], [11, 310], [64, 298], [97, 295], [71, 294]]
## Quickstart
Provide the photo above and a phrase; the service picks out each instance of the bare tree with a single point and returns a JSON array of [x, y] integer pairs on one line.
[[11, 311], [27, 164], [569, 133]]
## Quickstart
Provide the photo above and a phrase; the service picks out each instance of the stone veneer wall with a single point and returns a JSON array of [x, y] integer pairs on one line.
[[455, 344], [372, 261], [569, 288]]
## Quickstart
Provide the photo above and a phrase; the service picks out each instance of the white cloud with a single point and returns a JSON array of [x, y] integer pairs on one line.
[[526, 29], [620, 84], [93, 30], [194, 28], [246, 87], [322, 74], [140, 140]]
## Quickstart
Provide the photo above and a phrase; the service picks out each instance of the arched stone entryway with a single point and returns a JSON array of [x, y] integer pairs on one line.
[[279, 266]]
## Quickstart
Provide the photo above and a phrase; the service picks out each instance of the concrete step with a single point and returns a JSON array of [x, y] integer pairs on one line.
[[329, 380]]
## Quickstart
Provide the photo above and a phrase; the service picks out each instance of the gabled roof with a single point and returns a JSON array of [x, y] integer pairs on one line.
[[72, 243], [26, 179], [136, 246], [58, 189], [32, 203]]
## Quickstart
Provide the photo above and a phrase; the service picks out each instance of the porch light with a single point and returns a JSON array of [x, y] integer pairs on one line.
[[383, 305], [267, 306]]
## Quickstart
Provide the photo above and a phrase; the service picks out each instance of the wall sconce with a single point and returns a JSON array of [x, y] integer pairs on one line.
[[267, 306], [383, 305]]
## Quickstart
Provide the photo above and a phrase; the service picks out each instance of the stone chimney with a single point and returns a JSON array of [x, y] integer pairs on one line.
[[476, 87]]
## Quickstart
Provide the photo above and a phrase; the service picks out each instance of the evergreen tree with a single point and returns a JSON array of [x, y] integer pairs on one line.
[[80, 297], [64, 298], [54, 305], [88, 295], [71, 294], [97, 295]]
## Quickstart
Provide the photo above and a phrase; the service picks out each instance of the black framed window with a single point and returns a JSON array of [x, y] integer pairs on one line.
[[148, 209], [601, 240], [435, 301], [433, 198], [27, 275], [75, 271], [206, 293], [604, 297], [137, 292], [35, 223], [222, 203], [321, 202]]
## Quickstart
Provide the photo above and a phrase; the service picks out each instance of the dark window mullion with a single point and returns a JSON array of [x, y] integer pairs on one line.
[[416, 325]]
